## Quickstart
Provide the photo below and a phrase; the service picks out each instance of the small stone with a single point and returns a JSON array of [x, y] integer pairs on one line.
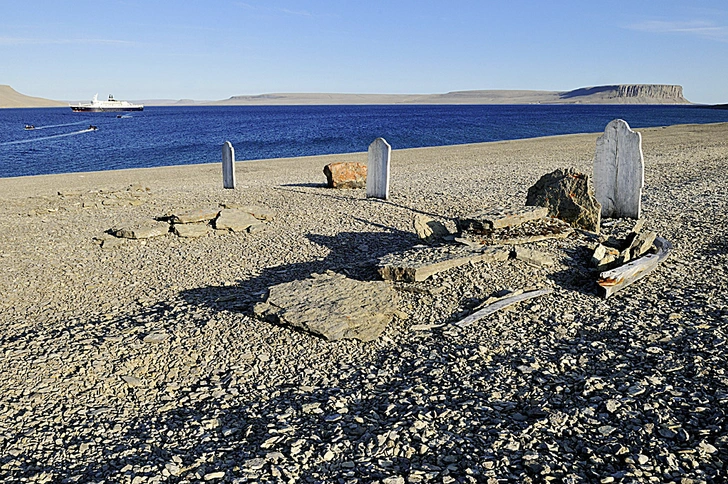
[[214, 475], [428, 229], [612, 405], [707, 448], [635, 390], [132, 381], [156, 338], [606, 430]]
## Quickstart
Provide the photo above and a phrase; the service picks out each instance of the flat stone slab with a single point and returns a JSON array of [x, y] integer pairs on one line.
[[191, 230], [194, 216], [235, 220], [419, 263], [261, 213], [500, 217], [527, 232], [142, 231], [533, 257], [332, 306]]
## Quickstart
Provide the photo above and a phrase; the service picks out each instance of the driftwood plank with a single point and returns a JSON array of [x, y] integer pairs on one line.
[[501, 304], [617, 279]]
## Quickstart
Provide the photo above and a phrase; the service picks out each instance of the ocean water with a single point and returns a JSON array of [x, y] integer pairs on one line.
[[159, 136]]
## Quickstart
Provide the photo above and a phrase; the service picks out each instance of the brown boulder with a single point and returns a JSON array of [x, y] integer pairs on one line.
[[567, 195], [346, 175]]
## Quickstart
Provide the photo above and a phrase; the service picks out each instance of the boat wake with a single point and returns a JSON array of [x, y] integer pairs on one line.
[[43, 138], [60, 125]]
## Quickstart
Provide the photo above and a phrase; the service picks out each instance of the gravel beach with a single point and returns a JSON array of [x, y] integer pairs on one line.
[[142, 361]]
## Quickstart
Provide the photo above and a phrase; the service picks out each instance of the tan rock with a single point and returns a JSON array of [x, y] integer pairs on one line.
[[428, 229], [194, 216], [332, 306], [346, 175], [234, 220], [191, 230], [143, 231]]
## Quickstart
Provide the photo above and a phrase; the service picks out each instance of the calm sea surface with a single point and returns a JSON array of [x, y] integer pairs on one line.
[[160, 136]]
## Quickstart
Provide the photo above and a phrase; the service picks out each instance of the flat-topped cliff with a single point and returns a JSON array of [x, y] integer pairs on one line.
[[627, 94]]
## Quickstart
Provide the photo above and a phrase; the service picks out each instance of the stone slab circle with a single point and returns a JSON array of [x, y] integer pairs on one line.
[[346, 175], [378, 161], [619, 171]]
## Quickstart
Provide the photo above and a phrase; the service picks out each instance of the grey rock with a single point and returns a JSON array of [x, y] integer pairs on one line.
[[156, 338], [533, 257], [428, 229], [498, 217], [191, 230], [142, 231], [234, 220], [194, 216], [332, 306], [418, 264], [567, 196]]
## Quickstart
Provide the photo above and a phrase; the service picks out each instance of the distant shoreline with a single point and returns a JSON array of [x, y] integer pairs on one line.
[[612, 94]]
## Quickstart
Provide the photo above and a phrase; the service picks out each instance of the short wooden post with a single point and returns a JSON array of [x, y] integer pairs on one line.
[[228, 165], [379, 156]]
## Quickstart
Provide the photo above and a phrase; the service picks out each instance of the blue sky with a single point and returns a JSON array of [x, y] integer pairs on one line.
[[152, 49]]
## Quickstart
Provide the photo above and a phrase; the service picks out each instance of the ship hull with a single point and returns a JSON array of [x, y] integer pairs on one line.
[[85, 109]]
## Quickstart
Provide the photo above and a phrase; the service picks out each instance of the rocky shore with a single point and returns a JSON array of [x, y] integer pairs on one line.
[[143, 361]]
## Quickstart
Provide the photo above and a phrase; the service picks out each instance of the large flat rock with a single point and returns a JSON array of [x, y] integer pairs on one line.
[[499, 217], [194, 216], [332, 306], [145, 230], [419, 263], [235, 220]]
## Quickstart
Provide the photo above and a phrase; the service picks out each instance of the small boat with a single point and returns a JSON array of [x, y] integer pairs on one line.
[[92, 127], [29, 127], [111, 104]]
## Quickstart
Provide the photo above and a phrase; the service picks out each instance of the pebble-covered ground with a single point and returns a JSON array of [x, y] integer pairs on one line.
[[142, 363]]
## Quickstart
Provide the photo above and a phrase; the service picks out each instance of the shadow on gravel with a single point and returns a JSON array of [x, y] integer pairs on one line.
[[354, 254], [577, 276], [458, 406], [440, 408]]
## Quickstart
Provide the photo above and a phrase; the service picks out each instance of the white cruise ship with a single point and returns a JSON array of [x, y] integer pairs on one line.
[[110, 105]]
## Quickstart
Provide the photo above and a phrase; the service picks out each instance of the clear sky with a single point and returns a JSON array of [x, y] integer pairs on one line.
[[214, 49]]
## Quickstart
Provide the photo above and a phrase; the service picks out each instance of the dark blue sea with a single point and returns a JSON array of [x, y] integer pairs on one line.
[[158, 136]]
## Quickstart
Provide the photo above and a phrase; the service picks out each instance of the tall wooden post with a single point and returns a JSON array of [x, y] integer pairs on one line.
[[228, 165], [379, 157]]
